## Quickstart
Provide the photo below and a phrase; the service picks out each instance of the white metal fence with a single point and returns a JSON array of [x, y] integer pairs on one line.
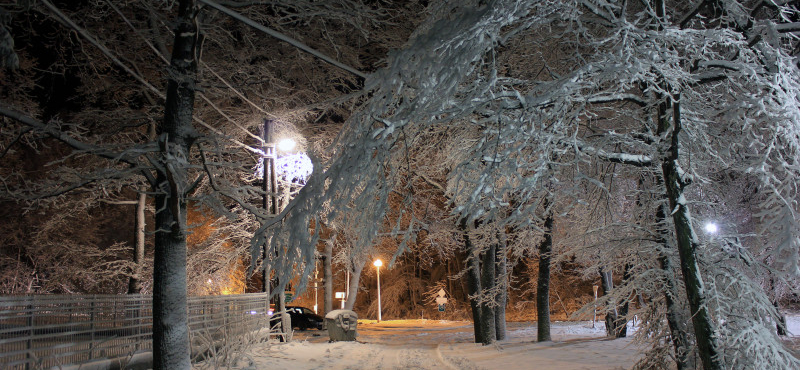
[[46, 331]]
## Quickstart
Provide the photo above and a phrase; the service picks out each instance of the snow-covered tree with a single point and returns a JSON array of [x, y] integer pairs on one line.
[[668, 87]]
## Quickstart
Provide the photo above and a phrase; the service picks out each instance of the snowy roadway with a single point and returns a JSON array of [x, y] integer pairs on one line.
[[433, 344]]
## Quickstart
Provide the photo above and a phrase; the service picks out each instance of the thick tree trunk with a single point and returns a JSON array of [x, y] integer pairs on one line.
[[501, 281], [607, 284], [474, 286], [327, 297], [621, 324], [473, 281], [781, 324], [135, 282], [170, 325], [286, 321], [543, 282], [707, 342], [352, 290], [487, 325]]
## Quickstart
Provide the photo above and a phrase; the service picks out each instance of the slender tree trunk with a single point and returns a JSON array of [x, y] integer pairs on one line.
[[473, 280], [543, 282], [170, 317], [677, 316], [135, 282], [676, 321], [327, 297], [487, 324], [707, 342], [501, 280], [353, 288]]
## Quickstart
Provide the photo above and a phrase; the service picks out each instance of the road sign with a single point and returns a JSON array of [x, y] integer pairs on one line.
[[441, 300]]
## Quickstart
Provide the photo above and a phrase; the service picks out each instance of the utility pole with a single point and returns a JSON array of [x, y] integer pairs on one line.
[[270, 203]]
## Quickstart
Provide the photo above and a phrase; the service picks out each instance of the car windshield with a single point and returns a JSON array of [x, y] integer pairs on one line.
[[307, 311]]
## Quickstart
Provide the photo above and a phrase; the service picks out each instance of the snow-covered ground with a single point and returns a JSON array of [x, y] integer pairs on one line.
[[434, 344]]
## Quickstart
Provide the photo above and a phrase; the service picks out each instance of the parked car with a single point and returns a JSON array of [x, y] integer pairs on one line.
[[302, 318]]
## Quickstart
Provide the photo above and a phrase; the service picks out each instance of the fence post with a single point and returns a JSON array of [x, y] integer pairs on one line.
[[29, 343], [91, 327], [136, 303]]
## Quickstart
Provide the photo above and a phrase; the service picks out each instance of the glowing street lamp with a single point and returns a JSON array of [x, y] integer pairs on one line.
[[711, 228], [594, 318], [378, 263], [270, 199], [286, 145]]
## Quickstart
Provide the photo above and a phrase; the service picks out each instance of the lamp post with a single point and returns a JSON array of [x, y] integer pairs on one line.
[[378, 263], [268, 185], [270, 202], [594, 318]]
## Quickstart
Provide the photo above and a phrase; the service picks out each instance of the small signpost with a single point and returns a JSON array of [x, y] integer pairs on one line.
[[340, 295], [441, 300]]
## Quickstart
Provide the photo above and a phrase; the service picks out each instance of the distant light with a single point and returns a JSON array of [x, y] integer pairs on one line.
[[286, 145], [378, 263], [253, 312], [339, 295], [711, 228]]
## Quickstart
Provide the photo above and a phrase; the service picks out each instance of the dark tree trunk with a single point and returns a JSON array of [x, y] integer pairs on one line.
[[501, 280], [473, 280], [543, 283], [487, 323], [474, 286], [607, 284], [677, 316], [170, 326], [707, 343], [135, 282], [676, 320], [781, 324], [621, 324]]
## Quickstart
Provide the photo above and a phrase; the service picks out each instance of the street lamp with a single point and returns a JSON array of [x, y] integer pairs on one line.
[[711, 228], [378, 263], [594, 318], [286, 145], [270, 201]]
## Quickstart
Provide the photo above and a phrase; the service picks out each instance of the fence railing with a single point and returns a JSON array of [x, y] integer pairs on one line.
[[46, 331]]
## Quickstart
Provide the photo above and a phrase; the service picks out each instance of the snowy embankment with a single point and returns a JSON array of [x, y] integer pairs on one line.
[[433, 344]]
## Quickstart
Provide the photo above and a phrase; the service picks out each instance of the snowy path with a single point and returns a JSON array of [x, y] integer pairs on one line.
[[447, 345], [582, 354], [347, 356], [432, 344]]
